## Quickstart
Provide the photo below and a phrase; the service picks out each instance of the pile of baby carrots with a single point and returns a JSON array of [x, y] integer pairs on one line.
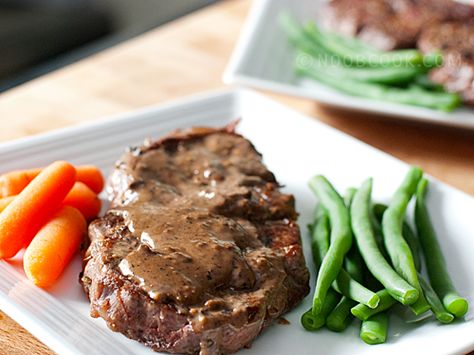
[[46, 210]]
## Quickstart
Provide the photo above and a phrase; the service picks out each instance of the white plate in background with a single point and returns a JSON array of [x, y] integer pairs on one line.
[[295, 148], [263, 59]]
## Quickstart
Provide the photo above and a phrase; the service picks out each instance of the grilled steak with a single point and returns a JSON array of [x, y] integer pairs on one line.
[[199, 250], [389, 24], [456, 42]]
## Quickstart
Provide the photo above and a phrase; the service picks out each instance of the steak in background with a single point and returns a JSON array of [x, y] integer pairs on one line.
[[455, 40], [390, 24], [199, 250]]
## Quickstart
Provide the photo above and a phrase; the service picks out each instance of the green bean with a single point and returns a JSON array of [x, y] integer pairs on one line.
[[436, 306], [350, 43], [341, 238], [449, 100], [358, 54], [293, 29], [308, 321], [412, 96], [343, 283], [354, 264], [363, 312], [425, 82], [366, 241], [336, 69], [435, 262], [379, 209], [318, 213], [340, 317], [433, 60], [397, 248], [413, 243], [350, 288], [300, 39], [320, 246], [375, 329], [376, 219], [320, 239], [372, 282], [408, 234], [349, 196], [313, 322]]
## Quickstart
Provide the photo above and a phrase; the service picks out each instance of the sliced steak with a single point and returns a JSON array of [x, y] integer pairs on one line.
[[390, 24], [455, 40], [199, 250]]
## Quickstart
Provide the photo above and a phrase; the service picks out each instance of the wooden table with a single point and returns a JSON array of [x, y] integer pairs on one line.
[[185, 57]]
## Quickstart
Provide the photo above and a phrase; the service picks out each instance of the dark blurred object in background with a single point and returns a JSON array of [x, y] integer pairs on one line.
[[33, 31], [37, 36]]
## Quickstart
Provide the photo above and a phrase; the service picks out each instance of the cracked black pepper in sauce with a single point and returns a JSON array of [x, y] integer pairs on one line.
[[185, 252]]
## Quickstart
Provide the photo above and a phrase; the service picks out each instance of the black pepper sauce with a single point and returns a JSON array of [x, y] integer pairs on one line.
[[184, 254]]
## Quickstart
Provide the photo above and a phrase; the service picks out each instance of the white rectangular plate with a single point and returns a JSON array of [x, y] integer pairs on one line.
[[264, 59], [295, 148]]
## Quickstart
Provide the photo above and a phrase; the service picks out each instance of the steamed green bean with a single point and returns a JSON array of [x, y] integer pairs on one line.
[[359, 54], [436, 306], [410, 96], [341, 316], [434, 258], [395, 244], [374, 330], [363, 312], [366, 241], [340, 238], [314, 322]]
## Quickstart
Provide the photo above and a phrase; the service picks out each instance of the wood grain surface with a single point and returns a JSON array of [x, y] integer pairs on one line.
[[185, 57]]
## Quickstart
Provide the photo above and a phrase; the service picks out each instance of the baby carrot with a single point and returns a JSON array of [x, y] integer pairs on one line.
[[13, 182], [84, 199], [91, 176], [54, 246], [80, 197], [4, 202], [34, 206]]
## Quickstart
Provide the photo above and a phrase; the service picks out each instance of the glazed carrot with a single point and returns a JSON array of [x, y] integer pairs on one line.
[[54, 246], [14, 182], [34, 206], [4, 202], [84, 199]]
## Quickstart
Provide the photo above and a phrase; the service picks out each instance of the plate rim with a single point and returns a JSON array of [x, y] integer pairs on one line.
[[110, 120]]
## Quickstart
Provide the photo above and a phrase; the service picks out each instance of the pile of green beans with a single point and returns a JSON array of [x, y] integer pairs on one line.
[[351, 66], [369, 259]]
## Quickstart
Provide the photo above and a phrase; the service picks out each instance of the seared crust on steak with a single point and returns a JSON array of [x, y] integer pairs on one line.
[[455, 40], [390, 24], [199, 250]]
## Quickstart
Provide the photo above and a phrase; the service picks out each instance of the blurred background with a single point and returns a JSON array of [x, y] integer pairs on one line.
[[38, 36]]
